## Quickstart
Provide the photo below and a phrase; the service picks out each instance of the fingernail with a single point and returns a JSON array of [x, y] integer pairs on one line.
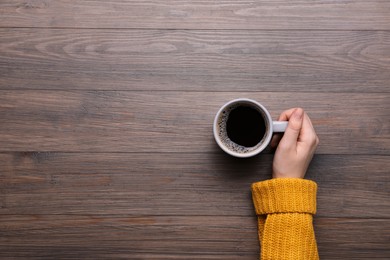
[[298, 113]]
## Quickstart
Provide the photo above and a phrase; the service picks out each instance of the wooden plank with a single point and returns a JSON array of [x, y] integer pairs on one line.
[[179, 184], [352, 238], [128, 121], [139, 236], [195, 60], [175, 237], [199, 14]]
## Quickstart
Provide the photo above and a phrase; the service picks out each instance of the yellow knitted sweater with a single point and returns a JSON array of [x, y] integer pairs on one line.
[[285, 209]]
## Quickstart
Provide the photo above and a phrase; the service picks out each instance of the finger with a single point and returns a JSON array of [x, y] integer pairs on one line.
[[285, 115], [308, 133], [308, 120], [293, 129]]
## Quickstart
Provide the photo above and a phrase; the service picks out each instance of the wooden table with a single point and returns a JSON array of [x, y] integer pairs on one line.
[[106, 112]]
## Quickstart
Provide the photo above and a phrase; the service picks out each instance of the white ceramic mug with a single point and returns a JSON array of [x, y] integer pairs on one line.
[[221, 135]]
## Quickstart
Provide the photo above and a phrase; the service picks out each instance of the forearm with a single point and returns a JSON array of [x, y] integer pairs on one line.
[[285, 208]]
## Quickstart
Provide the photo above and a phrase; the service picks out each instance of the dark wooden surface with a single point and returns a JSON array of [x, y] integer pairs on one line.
[[106, 146]]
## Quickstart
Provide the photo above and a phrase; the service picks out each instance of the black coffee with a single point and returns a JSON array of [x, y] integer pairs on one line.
[[245, 126]]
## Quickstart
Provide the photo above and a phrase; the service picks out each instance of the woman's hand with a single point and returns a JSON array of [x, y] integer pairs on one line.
[[296, 148]]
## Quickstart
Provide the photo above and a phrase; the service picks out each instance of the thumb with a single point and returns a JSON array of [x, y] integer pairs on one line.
[[293, 129]]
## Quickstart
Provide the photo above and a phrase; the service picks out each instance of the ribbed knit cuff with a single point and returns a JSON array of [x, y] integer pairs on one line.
[[284, 195]]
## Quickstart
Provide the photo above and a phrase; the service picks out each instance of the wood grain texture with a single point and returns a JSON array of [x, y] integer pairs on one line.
[[129, 121], [175, 237], [157, 237], [106, 110], [224, 60], [179, 184], [199, 14]]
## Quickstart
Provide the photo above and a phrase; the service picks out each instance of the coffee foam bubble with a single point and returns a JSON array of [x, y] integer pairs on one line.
[[222, 121]]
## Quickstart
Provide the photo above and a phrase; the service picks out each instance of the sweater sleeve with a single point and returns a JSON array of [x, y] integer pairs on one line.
[[285, 209]]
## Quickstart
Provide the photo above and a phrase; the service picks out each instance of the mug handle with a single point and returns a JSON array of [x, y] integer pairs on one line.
[[279, 126]]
